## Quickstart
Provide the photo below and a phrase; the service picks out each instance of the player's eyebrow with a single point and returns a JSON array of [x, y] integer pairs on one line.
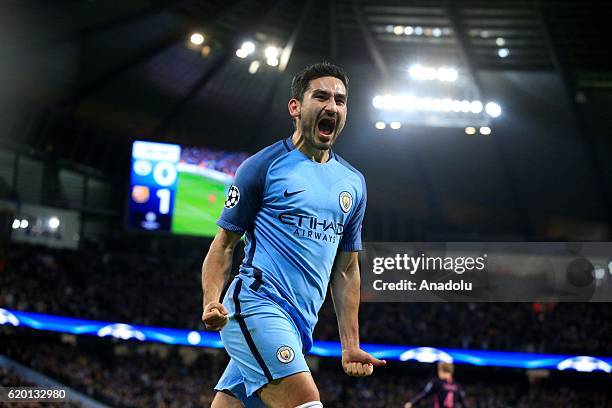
[[339, 95]]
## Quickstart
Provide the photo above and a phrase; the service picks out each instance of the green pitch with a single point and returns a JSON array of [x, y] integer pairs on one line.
[[197, 205]]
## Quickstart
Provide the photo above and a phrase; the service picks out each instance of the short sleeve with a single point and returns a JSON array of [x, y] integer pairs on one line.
[[244, 197], [351, 237]]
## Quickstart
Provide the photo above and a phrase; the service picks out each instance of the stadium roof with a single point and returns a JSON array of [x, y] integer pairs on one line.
[[83, 79], [128, 66]]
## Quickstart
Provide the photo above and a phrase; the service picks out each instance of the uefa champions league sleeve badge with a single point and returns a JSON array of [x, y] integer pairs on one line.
[[233, 196]]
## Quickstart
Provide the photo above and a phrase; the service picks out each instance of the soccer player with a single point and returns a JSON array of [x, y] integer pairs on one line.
[[445, 390], [301, 207]]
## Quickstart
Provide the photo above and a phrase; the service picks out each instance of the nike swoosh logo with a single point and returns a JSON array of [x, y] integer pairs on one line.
[[288, 194]]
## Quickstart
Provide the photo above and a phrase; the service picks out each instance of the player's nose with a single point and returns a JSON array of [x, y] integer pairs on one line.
[[331, 108]]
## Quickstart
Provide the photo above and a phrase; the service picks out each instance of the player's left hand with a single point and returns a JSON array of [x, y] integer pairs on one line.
[[358, 363]]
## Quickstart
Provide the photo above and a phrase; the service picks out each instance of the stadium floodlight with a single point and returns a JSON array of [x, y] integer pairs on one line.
[[24, 223], [485, 130], [476, 107], [389, 28], [418, 30], [444, 74], [253, 67], [599, 272], [197, 39], [395, 125], [273, 62], [398, 30], [53, 222], [470, 130], [271, 52], [422, 73], [446, 105], [436, 32], [409, 103], [248, 47], [447, 74], [377, 102], [500, 41], [456, 106], [380, 125], [408, 30], [241, 53], [16, 224], [503, 52], [493, 109]]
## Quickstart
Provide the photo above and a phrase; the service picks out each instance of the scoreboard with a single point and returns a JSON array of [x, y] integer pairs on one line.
[[153, 181], [178, 189]]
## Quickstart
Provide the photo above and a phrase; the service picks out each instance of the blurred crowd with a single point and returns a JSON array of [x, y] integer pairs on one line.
[[138, 374], [162, 290], [220, 160]]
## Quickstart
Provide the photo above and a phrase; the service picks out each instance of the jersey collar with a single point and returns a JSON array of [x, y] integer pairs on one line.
[[288, 142]]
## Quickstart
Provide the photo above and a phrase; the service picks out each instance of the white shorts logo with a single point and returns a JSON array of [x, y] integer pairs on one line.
[[233, 196], [285, 354], [346, 201]]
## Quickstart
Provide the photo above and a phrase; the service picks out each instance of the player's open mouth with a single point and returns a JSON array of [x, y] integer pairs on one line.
[[326, 126]]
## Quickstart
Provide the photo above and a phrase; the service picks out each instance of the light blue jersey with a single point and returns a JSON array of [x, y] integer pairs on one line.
[[296, 214]]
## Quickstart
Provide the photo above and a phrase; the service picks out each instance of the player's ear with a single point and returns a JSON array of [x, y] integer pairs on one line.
[[294, 108]]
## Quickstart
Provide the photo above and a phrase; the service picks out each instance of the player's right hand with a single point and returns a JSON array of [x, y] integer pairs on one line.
[[408, 405], [214, 316]]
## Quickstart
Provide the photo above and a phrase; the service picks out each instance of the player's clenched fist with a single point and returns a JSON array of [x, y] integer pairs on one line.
[[358, 363], [214, 316]]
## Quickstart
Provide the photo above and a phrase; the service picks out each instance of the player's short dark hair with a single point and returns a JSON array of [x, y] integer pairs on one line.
[[300, 82]]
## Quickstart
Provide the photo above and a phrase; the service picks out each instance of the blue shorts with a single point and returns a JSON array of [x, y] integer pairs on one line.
[[262, 340]]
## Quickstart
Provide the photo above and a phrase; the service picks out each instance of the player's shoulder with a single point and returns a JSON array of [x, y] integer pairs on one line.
[[349, 167], [266, 156], [346, 164]]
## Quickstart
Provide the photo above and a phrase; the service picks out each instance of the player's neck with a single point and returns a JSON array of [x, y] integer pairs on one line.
[[314, 154]]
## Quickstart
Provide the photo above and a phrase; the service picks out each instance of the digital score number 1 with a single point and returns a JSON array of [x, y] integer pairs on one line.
[[164, 175]]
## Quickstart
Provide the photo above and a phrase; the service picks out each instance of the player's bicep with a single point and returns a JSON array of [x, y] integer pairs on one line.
[[225, 239], [243, 198], [345, 261]]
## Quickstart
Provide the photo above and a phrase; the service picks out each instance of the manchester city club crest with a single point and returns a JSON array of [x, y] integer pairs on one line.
[[285, 354], [346, 201]]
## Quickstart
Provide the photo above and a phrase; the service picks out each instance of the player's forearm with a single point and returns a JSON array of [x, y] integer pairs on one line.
[[345, 294], [215, 271]]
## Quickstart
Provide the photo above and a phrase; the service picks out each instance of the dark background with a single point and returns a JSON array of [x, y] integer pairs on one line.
[[80, 80]]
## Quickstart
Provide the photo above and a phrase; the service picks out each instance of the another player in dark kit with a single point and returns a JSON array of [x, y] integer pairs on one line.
[[447, 393]]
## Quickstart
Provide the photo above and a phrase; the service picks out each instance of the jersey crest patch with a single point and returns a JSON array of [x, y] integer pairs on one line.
[[233, 196], [285, 354], [346, 201]]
